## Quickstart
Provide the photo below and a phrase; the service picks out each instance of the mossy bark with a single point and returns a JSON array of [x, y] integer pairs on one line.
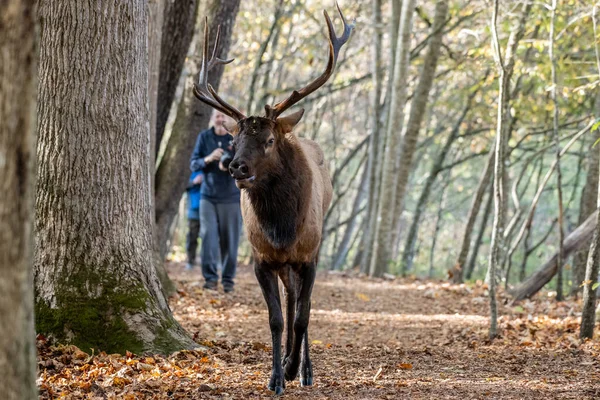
[[18, 37], [95, 282]]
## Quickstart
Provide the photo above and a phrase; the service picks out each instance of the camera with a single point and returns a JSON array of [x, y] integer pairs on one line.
[[228, 154]]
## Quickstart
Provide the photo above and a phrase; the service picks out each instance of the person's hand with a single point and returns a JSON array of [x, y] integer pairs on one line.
[[214, 156], [222, 167], [197, 180]]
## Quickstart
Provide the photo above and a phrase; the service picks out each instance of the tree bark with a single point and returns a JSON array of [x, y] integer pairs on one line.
[[405, 154], [192, 117], [477, 245], [18, 63], [546, 272], [95, 284], [376, 137], [179, 20], [587, 205], [436, 168], [381, 245]]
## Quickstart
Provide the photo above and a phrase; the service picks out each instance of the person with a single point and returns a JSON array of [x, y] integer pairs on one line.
[[191, 240], [220, 214]]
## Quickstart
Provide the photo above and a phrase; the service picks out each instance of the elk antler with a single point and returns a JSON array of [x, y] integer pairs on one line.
[[335, 44], [203, 90]]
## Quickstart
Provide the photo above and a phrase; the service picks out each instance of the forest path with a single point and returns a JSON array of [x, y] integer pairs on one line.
[[393, 339], [370, 339]]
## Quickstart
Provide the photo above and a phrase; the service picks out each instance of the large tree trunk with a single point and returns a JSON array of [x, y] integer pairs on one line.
[[575, 240], [18, 55], [381, 250], [95, 284], [179, 20], [192, 117]]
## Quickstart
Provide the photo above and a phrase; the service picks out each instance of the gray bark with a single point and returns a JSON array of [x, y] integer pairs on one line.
[[179, 20], [376, 137], [192, 117], [436, 168], [18, 67], [477, 245], [546, 272], [381, 245], [404, 158], [95, 284]]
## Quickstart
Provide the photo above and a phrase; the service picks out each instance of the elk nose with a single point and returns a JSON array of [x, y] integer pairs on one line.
[[239, 169]]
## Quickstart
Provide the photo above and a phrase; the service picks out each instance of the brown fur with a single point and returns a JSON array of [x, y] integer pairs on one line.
[[296, 197]]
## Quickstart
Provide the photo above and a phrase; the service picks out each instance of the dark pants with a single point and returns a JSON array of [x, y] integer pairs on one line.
[[220, 232], [191, 240]]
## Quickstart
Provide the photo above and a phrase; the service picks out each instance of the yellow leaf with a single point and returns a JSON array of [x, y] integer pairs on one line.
[[363, 297], [317, 342], [405, 366]]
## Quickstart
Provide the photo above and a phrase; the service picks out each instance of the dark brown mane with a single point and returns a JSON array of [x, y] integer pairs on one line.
[[281, 201]]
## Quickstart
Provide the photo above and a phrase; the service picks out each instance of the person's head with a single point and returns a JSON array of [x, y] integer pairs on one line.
[[217, 121]]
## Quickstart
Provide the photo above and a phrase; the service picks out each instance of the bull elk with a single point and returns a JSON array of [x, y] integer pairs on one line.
[[286, 191]]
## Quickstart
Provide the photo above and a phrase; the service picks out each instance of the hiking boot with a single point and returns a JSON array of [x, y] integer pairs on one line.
[[210, 286], [228, 288]]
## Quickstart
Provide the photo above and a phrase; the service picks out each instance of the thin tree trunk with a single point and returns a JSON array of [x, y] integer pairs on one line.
[[18, 67], [436, 168], [95, 283], [343, 248], [381, 245], [588, 314], [546, 272], [589, 197], [477, 245], [404, 158], [376, 137], [561, 231], [192, 117], [457, 270], [438, 223], [258, 60], [179, 20]]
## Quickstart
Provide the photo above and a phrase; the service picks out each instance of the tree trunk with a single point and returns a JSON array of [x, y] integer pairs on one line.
[[179, 20], [542, 276], [457, 270], [438, 221], [192, 117], [589, 197], [405, 152], [95, 284], [376, 137], [343, 248], [477, 245], [18, 63], [381, 250], [436, 168]]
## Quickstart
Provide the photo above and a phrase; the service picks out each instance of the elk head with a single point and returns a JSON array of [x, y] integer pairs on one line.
[[260, 141]]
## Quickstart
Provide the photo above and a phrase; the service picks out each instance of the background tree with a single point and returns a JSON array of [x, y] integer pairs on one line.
[[18, 62]]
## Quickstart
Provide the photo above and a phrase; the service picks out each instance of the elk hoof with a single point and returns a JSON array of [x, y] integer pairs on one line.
[[276, 385], [306, 381]]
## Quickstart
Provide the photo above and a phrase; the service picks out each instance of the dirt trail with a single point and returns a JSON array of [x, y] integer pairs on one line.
[[369, 340]]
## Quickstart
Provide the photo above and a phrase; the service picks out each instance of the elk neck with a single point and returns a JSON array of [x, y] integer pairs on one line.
[[281, 202]]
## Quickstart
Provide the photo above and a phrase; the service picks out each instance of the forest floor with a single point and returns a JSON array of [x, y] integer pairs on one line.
[[370, 339]]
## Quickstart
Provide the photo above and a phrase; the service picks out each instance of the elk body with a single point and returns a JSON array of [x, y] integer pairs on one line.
[[285, 192]]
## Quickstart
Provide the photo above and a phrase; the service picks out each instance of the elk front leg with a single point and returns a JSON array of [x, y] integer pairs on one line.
[[306, 375], [290, 295], [306, 277], [267, 279]]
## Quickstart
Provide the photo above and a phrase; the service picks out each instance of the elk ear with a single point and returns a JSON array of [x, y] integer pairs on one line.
[[287, 123], [231, 127]]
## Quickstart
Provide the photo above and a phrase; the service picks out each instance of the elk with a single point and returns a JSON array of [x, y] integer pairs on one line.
[[285, 192]]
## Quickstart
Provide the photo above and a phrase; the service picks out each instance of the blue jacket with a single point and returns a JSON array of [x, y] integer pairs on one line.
[[193, 192], [218, 186]]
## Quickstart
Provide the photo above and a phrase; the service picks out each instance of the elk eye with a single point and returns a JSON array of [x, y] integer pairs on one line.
[[270, 142]]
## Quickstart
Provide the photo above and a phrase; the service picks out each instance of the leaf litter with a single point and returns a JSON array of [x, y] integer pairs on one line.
[[370, 339]]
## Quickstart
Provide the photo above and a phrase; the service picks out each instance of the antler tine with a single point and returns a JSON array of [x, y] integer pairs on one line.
[[203, 90], [335, 44]]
